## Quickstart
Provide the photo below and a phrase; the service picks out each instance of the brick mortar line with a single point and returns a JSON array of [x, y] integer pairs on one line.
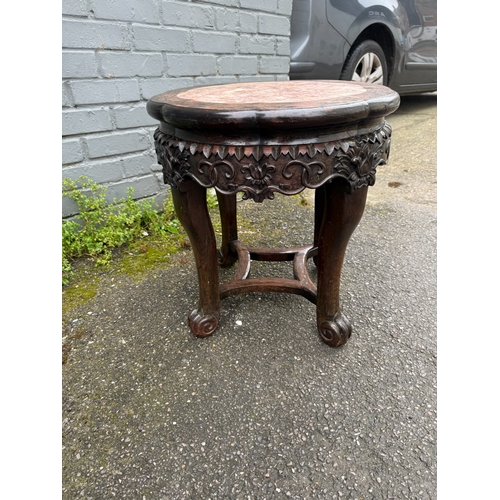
[[87, 160]]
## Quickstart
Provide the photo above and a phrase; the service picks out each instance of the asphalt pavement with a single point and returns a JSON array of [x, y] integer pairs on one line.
[[263, 409]]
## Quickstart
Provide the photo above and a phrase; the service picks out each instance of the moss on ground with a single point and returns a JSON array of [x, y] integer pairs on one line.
[[135, 260]]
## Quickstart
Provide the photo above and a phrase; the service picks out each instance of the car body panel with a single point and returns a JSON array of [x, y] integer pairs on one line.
[[324, 31]]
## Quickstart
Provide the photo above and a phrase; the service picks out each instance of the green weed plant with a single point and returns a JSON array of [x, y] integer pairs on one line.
[[101, 227]]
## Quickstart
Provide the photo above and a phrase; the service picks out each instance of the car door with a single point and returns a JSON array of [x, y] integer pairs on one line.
[[420, 64]]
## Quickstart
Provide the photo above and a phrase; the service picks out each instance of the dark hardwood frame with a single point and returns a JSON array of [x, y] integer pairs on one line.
[[335, 152]]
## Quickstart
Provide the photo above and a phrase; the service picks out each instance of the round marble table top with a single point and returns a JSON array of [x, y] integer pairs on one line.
[[256, 108], [261, 95]]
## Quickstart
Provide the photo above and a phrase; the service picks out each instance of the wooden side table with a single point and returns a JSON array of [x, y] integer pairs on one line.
[[263, 138]]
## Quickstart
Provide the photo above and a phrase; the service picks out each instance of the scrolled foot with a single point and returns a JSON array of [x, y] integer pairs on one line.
[[226, 259], [202, 325], [337, 332]]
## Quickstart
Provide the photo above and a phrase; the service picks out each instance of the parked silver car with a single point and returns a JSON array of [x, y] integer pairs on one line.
[[392, 42]]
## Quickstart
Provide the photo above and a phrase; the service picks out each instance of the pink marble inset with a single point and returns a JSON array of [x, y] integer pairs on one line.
[[287, 92]]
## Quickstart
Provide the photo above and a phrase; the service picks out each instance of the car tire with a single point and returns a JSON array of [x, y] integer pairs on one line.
[[366, 62]]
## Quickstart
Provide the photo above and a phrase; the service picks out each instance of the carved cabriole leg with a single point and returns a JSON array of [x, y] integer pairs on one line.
[[190, 201], [342, 213], [227, 209]]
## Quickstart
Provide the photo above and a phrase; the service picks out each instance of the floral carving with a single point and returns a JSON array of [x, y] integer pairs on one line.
[[258, 175], [174, 161], [261, 171]]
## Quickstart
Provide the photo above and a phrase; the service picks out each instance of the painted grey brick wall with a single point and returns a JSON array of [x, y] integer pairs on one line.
[[116, 54]]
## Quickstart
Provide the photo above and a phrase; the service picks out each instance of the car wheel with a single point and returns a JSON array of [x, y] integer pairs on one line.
[[366, 62]]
